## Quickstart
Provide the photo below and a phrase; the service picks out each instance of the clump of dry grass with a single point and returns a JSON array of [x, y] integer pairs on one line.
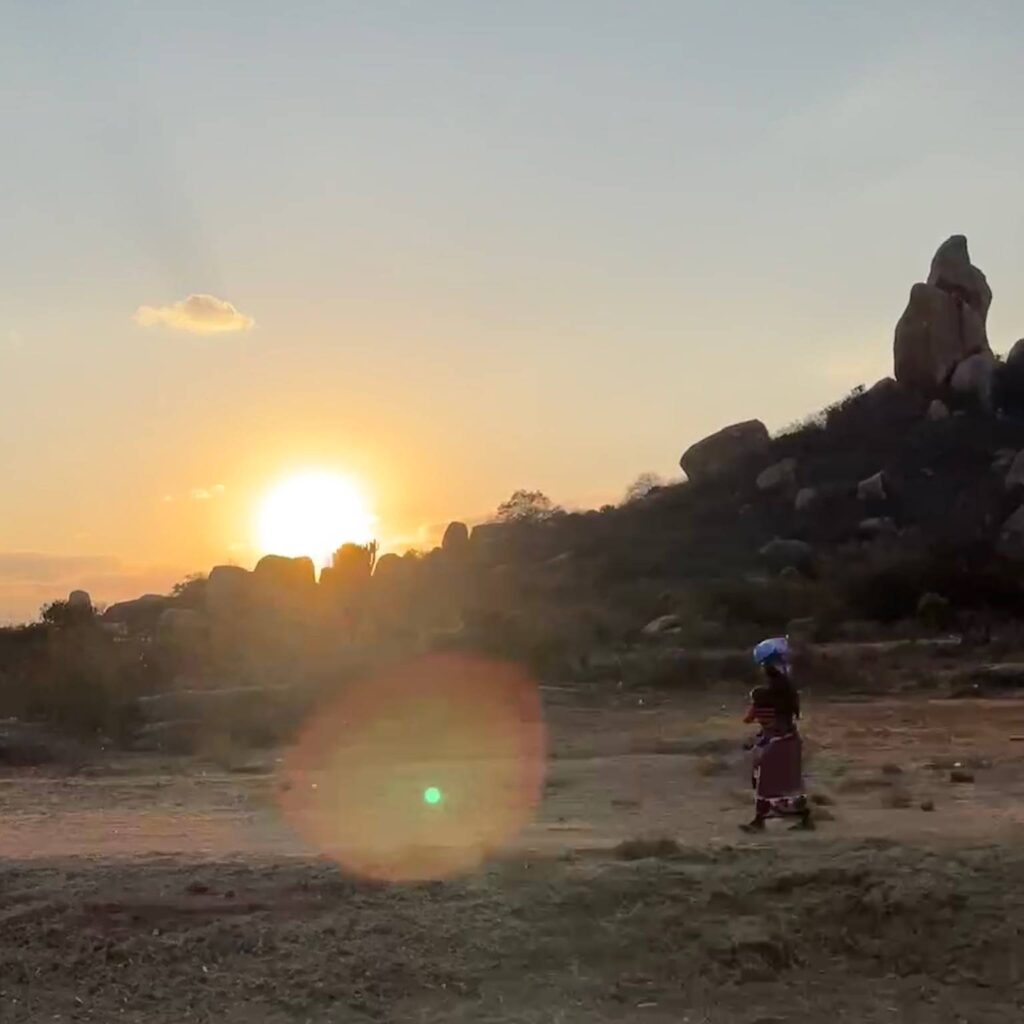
[[646, 849], [711, 765]]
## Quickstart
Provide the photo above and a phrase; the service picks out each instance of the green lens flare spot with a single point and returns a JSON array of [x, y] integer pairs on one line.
[[432, 796]]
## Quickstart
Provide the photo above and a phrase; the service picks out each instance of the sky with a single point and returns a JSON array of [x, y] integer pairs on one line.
[[454, 248]]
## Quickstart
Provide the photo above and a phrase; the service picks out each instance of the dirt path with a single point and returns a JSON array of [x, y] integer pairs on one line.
[[171, 892], [614, 775]]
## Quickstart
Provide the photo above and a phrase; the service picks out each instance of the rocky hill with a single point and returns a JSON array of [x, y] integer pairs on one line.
[[923, 466], [898, 509]]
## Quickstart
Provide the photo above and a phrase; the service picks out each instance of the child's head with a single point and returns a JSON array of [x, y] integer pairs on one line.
[[761, 697]]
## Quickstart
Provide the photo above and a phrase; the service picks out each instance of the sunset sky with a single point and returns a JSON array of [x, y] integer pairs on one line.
[[448, 249]]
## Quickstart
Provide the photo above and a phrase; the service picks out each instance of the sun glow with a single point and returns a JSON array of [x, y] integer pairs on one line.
[[313, 513]]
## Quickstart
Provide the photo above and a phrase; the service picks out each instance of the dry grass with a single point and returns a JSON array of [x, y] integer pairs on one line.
[[844, 937]]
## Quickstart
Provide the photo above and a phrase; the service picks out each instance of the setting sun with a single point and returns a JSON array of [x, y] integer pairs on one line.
[[312, 514]]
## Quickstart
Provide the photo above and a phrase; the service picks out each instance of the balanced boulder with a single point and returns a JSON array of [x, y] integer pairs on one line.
[[719, 451], [944, 321], [953, 272]]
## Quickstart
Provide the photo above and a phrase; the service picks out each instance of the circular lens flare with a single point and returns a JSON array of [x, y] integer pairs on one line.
[[373, 770]]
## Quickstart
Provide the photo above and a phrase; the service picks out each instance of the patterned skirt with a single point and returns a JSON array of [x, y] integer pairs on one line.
[[778, 777]]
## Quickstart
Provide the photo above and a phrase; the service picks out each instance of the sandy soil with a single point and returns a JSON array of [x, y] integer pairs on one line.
[[158, 890]]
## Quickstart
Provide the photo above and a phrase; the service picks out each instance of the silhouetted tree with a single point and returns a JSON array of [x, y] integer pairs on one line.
[[643, 485], [527, 507], [191, 591], [352, 564], [63, 614]]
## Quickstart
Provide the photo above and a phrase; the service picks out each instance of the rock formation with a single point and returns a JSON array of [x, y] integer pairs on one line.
[[456, 539], [944, 322]]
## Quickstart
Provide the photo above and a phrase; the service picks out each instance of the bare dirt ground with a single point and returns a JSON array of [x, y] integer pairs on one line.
[[163, 890]]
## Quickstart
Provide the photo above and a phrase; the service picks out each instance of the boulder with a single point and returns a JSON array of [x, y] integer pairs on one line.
[[388, 567], [1015, 357], [877, 526], [873, 488], [79, 601], [138, 615], [456, 539], [227, 589], [782, 474], [934, 334], [281, 573], [1015, 472], [781, 554], [805, 498], [664, 624], [1011, 536], [972, 380], [938, 410], [716, 453], [953, 272]]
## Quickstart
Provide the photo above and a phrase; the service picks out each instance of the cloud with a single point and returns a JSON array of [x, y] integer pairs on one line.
[[31, 565], [206, 493], [199, 314], [29, 580], [197, 494]]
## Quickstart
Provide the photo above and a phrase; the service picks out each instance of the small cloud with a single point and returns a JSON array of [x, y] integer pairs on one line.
[[197, 494], [206, 493], [200, 314]]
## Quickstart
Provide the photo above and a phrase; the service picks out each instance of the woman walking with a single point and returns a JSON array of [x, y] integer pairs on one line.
[[777, 748]]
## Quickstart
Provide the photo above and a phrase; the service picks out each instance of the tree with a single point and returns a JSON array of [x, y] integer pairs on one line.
[[353, 564], [527, 507], [190, 592], [63, 614], [643, 485]]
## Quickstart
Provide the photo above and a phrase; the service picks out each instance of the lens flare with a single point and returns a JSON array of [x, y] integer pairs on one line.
[[422, 772]]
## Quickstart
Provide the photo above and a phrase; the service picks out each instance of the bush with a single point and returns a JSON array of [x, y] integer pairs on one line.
[[77, 679]]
